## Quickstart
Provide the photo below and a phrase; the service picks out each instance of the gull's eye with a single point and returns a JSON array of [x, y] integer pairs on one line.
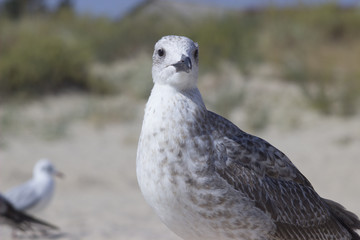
[[196, 53], [161, 52]]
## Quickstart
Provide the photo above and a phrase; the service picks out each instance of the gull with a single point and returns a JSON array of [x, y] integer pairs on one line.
[[207, 179], [35, 194], [19, 220]]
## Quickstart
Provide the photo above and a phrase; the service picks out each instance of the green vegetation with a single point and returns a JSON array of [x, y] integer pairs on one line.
[[317, 48]]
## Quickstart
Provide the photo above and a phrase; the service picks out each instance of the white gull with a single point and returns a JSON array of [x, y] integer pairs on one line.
[[35, 194]]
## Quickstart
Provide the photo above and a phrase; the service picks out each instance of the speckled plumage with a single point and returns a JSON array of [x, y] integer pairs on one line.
[[207, 179]]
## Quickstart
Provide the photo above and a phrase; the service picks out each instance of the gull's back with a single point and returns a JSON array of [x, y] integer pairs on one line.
[[266, 176], [24, 197]]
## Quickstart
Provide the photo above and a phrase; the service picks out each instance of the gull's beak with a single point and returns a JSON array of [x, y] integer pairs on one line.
[[184, 65], [59, 174]]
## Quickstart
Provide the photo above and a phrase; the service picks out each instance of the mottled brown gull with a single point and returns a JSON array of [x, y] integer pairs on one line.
[[207, 179]]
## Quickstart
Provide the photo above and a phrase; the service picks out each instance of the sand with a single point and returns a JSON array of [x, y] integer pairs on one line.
[[99, 198]]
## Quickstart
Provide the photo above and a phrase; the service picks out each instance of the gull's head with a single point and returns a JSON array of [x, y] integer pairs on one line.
[[45, 167], [175, 62]]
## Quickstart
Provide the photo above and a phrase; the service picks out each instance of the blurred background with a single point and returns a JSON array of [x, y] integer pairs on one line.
[[75, 76]]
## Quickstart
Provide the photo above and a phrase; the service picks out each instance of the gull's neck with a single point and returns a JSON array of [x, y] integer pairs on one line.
[[163, 94], [168, 107], [40, 176]]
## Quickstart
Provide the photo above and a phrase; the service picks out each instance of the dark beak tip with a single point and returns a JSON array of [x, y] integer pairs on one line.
[[184, 65], [60, 175]]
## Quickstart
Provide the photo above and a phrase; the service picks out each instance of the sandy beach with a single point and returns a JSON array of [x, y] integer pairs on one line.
[[99, 198]]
